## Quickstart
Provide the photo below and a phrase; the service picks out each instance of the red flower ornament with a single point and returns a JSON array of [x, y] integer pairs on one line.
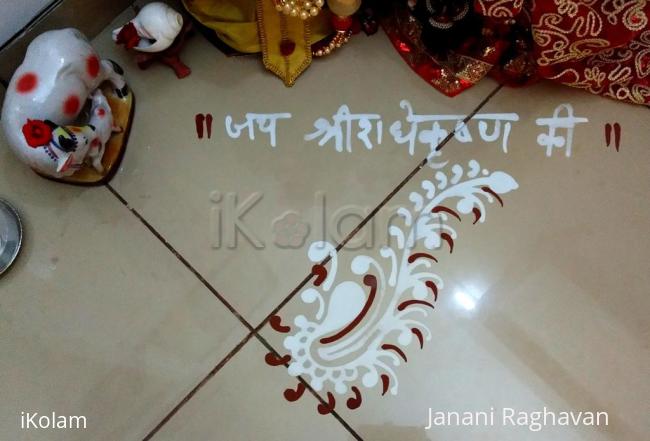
[[128, 36], [37, 133]]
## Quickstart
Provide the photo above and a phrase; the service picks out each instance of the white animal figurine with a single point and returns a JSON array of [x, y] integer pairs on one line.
[[157, 25], [102, 126], [45, 96]]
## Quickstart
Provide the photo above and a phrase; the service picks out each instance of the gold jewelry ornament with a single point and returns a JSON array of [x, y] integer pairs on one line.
[[339, 39], [299, 8]]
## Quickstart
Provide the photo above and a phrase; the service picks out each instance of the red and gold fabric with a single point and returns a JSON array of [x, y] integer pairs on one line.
[[602, 46]]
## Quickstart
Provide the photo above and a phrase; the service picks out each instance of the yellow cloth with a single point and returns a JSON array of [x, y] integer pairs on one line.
[[234, 21], [274, 28]]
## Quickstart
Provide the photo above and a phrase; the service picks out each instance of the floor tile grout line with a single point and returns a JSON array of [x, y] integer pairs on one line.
[[370, 215], [198, 387], [181, 258], [230, 354], [219, 366], [308, 386], [233, 352], [288, 298]]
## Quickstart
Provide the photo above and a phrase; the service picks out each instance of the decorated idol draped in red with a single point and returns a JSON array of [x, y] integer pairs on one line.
[[602, 46]]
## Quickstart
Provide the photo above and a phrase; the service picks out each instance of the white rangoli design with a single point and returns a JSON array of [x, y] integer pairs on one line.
[[357, 331]]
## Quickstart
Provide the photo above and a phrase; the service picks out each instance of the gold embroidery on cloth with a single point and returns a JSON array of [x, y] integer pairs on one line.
[[620, 63], [500, 8]]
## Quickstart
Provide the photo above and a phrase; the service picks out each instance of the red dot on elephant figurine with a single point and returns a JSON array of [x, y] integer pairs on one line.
[[92, 66], [27, 82], [101, 112], [71, 105]]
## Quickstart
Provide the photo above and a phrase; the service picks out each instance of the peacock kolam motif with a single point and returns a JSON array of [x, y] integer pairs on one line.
[[359, 329]]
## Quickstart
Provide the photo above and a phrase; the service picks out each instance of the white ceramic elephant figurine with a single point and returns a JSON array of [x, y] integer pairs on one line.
[[157, 25], [45, 97]]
